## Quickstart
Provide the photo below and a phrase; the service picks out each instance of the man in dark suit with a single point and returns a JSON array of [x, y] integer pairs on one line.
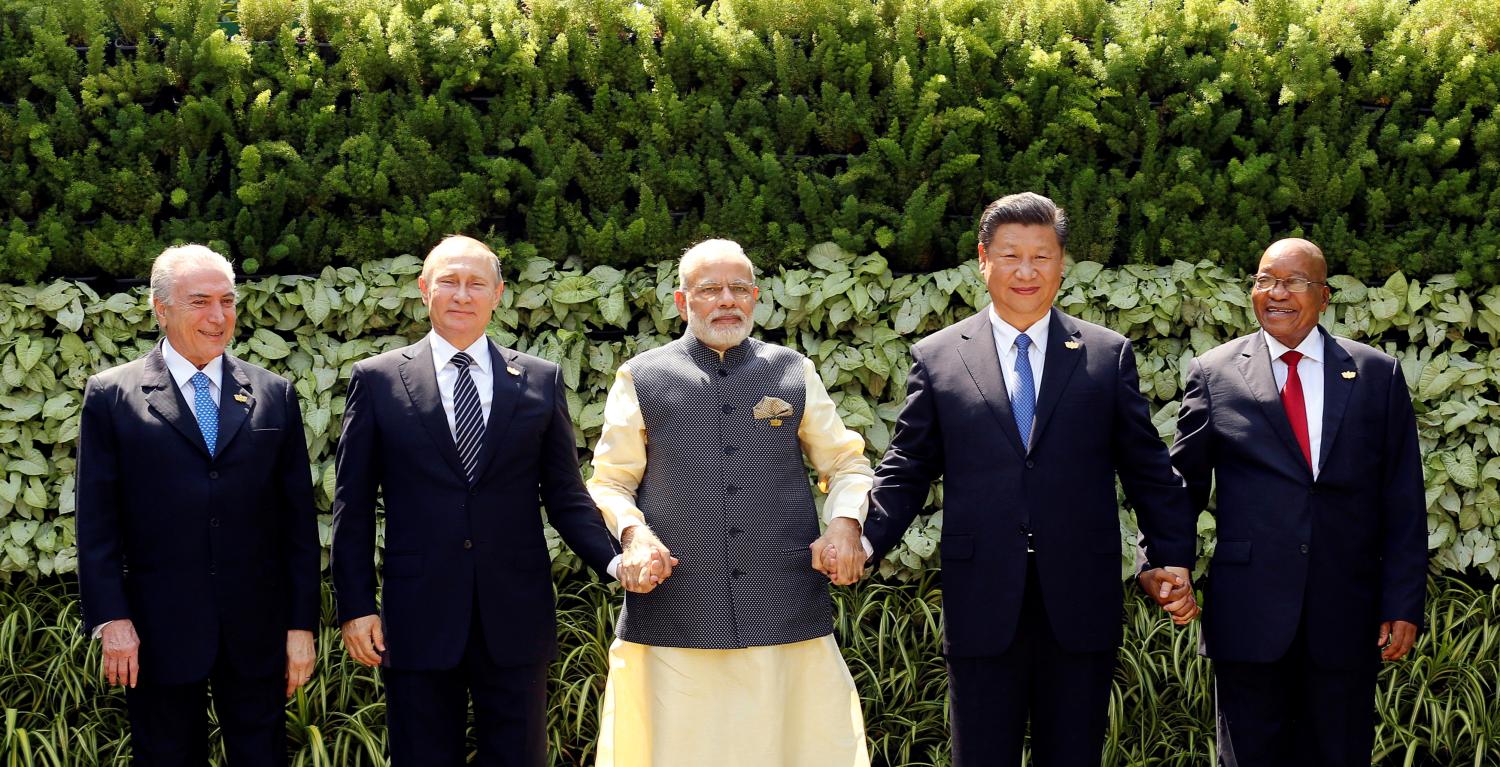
[[1322, 547], [197, 536], [465, 439], [1028, 415]]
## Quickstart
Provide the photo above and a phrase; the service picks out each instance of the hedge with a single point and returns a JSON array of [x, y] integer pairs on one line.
[[849, 313], [297, 134]]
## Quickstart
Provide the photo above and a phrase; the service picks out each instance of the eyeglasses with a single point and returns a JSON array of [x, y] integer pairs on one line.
[[712, 290], [1264, 282]]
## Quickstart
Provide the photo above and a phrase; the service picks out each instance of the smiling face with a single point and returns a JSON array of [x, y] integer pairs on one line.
[[461, 287], [1289, 316], [718, 299], [1023, 267], [199, 318]]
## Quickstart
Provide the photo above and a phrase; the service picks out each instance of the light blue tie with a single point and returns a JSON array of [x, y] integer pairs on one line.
[[207, 411], [1024, 402]]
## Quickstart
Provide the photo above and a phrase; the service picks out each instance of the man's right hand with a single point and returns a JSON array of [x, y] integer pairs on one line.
[[645, 562], [364, 639], [122, 652], [1172, 588]]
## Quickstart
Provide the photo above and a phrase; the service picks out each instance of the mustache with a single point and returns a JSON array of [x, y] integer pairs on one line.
[[735, 313]]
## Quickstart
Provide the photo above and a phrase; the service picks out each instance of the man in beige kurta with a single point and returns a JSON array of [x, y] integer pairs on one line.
[[725, 653]]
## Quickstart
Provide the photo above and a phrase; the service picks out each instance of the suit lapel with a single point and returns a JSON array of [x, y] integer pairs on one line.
[[1336, 391], [1057, 370], [1255, 365], [163, 399], [507, 388], [983, 362], [420, 378], [233, 412]]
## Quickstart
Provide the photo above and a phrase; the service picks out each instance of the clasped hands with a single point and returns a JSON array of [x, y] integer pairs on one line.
[[1172, 588], [646, 561]]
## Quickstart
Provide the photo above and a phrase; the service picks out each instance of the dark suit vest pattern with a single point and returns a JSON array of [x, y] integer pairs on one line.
[[728, 494]]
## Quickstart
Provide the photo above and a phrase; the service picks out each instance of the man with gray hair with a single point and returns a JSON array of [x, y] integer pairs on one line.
[[725, 652], [198, 551]]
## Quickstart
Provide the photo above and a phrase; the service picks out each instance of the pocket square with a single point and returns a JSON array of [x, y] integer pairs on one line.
[[774, 409]]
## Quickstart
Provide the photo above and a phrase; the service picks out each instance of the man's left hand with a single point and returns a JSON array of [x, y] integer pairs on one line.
[[1396, 639], [301, 653], [846, 561], [1172, 588]]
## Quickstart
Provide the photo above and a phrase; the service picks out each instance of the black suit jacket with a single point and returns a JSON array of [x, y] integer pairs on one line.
[[449, 546], [1348, 550], [191, 548], [1092, 423]]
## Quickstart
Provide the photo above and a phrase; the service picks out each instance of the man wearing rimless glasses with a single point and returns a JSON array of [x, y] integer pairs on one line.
[[1321, 561]]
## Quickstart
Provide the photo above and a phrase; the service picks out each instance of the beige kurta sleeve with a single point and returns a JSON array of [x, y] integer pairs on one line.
[[620, 457], [837, 453]]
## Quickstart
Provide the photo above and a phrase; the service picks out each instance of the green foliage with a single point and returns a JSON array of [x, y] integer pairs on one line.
[[849, 313], [615, 133], [1439, 706]]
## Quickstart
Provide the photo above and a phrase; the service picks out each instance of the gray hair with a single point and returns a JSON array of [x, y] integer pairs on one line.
[[463, 244], [164, 269], [705, 250], [1023, 208]]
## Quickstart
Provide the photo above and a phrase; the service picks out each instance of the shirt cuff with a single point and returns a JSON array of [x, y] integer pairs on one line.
[[869, 549], [99, 629], [613, 568]]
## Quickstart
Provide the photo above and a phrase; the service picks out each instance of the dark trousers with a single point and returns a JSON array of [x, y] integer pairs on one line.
[[427, 711], [1292, 712], [1065, 695], [169, 723]]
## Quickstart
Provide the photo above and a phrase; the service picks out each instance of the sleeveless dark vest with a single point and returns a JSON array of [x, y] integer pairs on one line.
[[729, 495]]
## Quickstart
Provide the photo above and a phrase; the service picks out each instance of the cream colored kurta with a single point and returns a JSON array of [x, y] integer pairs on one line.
[[790, 705]]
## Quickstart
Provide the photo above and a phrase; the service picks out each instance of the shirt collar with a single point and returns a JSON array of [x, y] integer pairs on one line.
[[1311, 347], [1006, 333], [443, 352], [182, 371]]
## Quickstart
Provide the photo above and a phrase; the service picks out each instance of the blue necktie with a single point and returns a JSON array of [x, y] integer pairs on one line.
[[1024, 403], [207, 411]]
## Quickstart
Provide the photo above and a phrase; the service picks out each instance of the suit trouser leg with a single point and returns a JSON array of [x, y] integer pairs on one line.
[[426, 714], [252, 716], [510, 708], [168, 724], [1065, 694]]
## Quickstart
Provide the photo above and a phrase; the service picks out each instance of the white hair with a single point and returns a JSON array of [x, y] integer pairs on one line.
[[164, 269], [706, 250]]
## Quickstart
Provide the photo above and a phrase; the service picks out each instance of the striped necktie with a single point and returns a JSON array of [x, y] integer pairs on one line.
[[468, 421]]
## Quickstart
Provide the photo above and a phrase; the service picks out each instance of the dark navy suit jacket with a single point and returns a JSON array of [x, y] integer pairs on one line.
[[1092, 423], [196, 550], [1348, 550], [450, 546]]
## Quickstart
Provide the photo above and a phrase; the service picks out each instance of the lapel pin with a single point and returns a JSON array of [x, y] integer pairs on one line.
[[513, 370], [241, 398], [1072, 344], [1349, 375]]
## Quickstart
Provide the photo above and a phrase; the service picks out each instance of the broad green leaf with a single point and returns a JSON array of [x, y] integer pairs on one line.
[[269, 345]]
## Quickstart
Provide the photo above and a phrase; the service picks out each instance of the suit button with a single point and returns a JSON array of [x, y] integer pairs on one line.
[[731, 489], [1302, 548], [1312, 491], [468, 544], [213, 475], [1031, 464], [729, 449], [735, 573], [473, 492], [723, 372], [733, 531], [727, 409], [214, 522]]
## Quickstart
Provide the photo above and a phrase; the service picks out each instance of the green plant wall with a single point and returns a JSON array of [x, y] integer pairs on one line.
[[849, 313], [330, 132]]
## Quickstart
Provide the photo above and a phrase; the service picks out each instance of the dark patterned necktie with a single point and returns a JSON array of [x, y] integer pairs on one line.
[[469, 422]]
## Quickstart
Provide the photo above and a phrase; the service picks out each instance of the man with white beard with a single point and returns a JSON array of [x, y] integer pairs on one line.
[[725, 652]]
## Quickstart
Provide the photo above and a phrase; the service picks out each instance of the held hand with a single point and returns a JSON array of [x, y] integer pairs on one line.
[[845, 562], [1172, 588], [301, 654], [1396, 639], [645, 562], [364, 639], [122, 652]]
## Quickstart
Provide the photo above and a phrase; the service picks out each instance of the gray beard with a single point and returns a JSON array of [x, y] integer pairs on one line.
[[719, 337]]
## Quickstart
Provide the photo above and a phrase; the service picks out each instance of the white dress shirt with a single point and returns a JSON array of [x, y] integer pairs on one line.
[[1005, 347], [182, 374], [1310, 370], [482, 371]]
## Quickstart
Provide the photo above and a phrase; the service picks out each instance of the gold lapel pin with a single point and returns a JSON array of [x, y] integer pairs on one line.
[[1072, 344], [241, 398], [1349, 375], [515, 371], [775, 421]]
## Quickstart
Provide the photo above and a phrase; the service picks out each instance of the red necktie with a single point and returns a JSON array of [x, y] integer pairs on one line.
[[1296, 406]]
